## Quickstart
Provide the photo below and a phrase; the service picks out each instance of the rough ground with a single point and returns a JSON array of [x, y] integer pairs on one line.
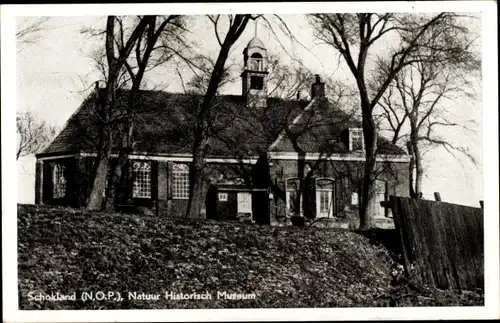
[[66, 250]]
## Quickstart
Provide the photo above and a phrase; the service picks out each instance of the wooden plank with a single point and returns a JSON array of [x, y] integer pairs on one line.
[[443, 240], [396, 211]]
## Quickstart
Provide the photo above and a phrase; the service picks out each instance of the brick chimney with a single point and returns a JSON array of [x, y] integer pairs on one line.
[[317, 88]]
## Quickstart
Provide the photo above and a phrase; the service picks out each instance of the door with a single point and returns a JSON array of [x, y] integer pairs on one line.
[[244, 202], [226, 205]]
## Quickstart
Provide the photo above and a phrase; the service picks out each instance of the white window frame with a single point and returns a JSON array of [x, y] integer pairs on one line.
[[180, 181], [223, 197], [142, 180], [351, 135], [58, 181], [329, 193]]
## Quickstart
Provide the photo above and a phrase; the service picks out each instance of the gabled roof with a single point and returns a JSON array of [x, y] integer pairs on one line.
[[164, 123]]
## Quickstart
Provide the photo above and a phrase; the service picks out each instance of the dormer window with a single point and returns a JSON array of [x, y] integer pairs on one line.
[[356, 142]]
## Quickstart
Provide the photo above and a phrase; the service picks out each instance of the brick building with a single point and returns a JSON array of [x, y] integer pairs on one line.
[[267, 157]]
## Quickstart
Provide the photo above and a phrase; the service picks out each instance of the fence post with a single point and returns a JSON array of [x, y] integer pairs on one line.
[[437, 196]]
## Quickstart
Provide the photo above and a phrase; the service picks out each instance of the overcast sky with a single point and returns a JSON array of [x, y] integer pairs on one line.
[[52, 75]]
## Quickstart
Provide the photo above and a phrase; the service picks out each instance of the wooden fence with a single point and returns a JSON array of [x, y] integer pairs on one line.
[[442, 243]]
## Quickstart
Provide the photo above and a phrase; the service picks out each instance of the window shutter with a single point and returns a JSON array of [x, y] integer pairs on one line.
[[338, 189], [170, 181], [69, 175], [154, 180], [310, 198], [47, 181], [129, 182]]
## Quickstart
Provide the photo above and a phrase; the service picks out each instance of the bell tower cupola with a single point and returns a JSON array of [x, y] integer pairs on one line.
[[254, 76]]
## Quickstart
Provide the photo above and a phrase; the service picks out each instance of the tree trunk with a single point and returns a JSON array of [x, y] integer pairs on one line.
[[99, 184], [202, 128], [117, 174], [116, 177], [115, 64], [301, 163], [196, 178], [368, 205], [411, 169], [419, 169]]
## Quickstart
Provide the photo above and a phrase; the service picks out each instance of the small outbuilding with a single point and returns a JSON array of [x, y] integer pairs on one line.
[[234, 201]]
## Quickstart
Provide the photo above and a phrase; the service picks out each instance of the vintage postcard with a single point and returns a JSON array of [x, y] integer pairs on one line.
[[275, 161]]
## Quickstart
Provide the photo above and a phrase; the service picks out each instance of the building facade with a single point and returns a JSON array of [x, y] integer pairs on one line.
[[268, 159]]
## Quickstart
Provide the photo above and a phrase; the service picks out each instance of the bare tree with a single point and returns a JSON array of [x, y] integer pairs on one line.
[[162, 38], [420, 100], [106, 110], [202, 66], [32, 135], [236, 26], [353, 35], [29, 31]]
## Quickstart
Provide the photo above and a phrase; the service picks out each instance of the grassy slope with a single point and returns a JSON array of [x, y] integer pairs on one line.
[[69, 251]]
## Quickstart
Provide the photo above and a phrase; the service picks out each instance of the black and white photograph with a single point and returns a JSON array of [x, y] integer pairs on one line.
[[291, 161]]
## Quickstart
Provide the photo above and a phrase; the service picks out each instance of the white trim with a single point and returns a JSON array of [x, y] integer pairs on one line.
[[297, 119], [210, 160], [331, 197], [174, 157], [250, 160], [318, 203], [56, 157], [338, 157], [183, 158]]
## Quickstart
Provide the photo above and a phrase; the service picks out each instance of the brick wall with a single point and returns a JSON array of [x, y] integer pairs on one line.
[[348, 178]]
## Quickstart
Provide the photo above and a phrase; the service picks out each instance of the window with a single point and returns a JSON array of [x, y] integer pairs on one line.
[[257, 62], [325, 202], [223, 197], [59, 189], [324, 197], [356, 139], [256, 82], [142, 180], [180, 185]]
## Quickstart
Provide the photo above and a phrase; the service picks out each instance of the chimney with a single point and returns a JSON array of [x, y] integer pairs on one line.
[[317, 88]]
